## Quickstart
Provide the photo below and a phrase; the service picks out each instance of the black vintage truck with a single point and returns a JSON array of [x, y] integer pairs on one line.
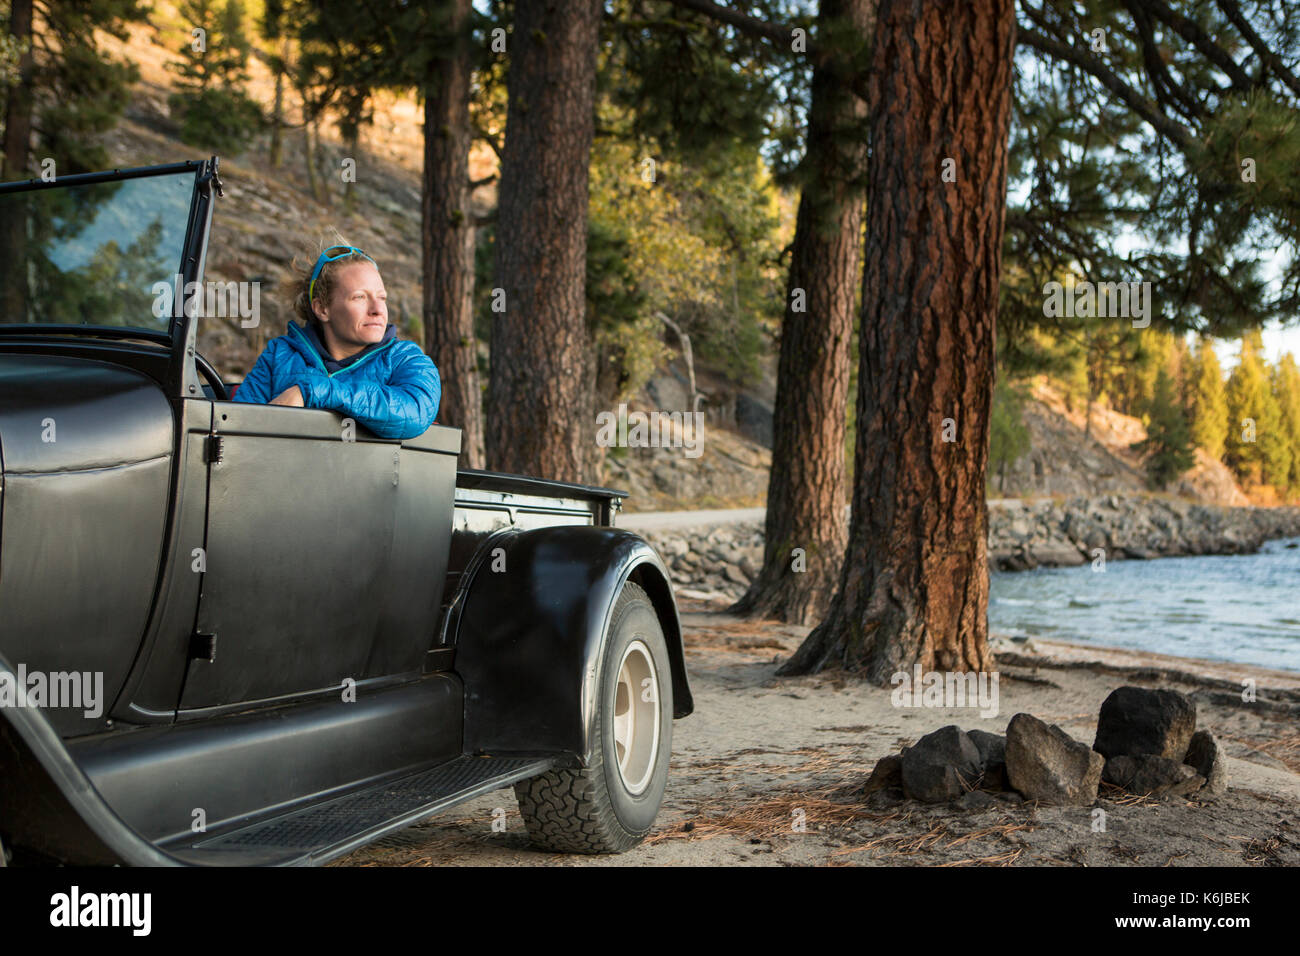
[[240, 634]]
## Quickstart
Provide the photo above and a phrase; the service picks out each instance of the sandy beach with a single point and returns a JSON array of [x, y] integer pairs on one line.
[[768, 771]]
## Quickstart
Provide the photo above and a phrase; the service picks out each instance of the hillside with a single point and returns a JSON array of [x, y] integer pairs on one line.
[[1068, 458]]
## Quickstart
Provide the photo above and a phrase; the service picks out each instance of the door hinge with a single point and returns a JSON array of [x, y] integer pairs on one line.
[[216, 449], [203, 647]]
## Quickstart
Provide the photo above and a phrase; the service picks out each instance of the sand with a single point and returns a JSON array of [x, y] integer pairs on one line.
[[766, 771]]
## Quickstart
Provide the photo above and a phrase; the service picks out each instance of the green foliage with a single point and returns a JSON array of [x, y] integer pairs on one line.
[[1008, 434], [1168, 446], [699, 242], [1257, 448], [219, 119], [1207, 401], [1286, 389], [83, 89], [214, 111]]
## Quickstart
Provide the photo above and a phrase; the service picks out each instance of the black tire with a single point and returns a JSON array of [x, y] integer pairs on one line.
[[592, 809]]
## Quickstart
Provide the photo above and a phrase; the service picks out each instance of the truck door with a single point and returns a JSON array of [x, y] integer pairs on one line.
[[297, 554]]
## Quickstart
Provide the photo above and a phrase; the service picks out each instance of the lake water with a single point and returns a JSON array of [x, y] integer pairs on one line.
[[1243, 608]]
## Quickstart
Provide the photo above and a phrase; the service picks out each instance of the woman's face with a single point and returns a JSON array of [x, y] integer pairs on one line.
[[357, 312]]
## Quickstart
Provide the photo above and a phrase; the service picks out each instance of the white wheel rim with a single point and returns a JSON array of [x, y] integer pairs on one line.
[[636, 717]]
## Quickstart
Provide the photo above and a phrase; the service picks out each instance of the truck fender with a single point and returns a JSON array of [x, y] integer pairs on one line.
[[531, 635]]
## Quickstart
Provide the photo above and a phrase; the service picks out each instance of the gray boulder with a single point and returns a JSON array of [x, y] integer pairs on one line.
[[1152, 775], [1136, 721], [1046, 764], [941, 766], [887, 775], [1205, 756]]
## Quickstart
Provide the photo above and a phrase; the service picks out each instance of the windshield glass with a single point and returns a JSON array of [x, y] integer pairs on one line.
[[94, 254]]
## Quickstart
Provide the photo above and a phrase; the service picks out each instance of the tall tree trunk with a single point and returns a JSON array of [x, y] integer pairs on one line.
[[13, 165], [448, 227], [18, 99], [914, 586], [309, 156], [277, 110], [540, 392], [806, 486]]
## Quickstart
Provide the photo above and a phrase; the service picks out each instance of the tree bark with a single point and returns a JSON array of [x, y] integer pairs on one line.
[[13, 166], [540, 394], [277, 110], [18, 109], [806, 486], [448, 226], [914, 586]]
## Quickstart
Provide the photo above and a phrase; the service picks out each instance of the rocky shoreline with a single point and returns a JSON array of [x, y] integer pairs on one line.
[[719, 561]]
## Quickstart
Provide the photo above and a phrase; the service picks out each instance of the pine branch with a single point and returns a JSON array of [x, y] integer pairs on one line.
[[1171, 129], [781, 35], [1232, 10], [1190, 31]]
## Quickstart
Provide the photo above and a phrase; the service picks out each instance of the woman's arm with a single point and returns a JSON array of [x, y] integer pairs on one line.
[[404, 407]]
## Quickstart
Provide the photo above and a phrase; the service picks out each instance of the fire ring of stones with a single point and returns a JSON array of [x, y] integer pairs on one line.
[[1147, 743]]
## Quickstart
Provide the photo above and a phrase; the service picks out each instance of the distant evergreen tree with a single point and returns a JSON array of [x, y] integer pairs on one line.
[[1008, 434], [1256, 448], [215, 111], [83, 90], [1168, 446], [1286, 389], [1206, 401]]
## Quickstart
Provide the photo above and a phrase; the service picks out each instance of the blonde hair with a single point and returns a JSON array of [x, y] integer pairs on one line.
[[325, 282]]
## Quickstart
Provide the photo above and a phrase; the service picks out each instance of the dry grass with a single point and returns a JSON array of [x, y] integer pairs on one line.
[[766, 817], [909, 832]]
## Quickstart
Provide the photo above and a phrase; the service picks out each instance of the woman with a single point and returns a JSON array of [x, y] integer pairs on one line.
[[346, 356]]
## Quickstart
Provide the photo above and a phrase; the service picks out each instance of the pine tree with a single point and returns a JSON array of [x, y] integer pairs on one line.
[[1256, 448], [1286, 389], [1168, 446], [215, 111], [1207, 402], [1008, 435], [83, 90]]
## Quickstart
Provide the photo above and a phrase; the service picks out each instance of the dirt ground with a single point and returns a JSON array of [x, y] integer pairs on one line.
[[767, 770]]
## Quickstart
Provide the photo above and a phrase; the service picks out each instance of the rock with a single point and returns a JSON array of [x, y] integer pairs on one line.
[[1046, 764], [941, 766], [1205, 756], [977, 800], [735, 575], [1057, 554], [993, 758], [888, 774], [1010, 798], [1136, 721], [1152, 775]]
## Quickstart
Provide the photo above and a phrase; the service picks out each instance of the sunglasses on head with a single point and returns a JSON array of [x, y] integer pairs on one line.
[[339, 252]]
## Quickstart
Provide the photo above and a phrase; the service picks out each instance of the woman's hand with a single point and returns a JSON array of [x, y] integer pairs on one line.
[[290, 396]]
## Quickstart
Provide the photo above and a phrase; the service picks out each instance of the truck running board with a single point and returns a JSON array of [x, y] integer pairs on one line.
[[340, 825]]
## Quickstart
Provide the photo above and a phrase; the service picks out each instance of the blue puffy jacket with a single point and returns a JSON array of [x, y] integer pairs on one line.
[[392, 387]]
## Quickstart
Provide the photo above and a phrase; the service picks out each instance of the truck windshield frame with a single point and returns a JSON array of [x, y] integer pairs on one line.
[[107, 261]]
